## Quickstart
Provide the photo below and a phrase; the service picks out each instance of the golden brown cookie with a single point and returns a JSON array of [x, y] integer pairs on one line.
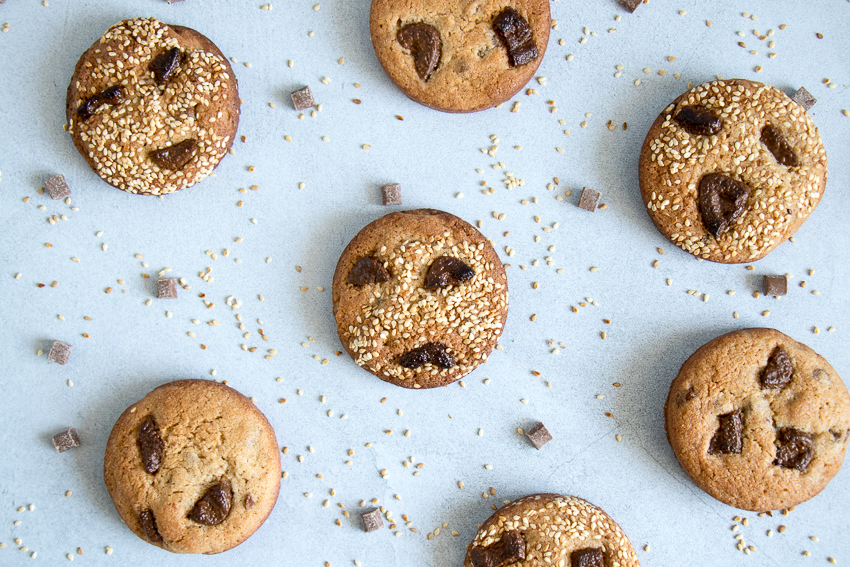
[[420, 298], [549, 529], [193, 467], [152, 107], [460, 56], [731, 169], [758, 420]]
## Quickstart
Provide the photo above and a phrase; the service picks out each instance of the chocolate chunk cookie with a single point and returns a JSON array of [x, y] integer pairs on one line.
[[420, 298], [731, 169], [758, 420], [193, 467], [460, 56], [549, 529], [152, 107]]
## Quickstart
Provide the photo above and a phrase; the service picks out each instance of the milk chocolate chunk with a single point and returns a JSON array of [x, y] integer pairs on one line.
[[65, 440], [59, 352], [166, 288], [151, 445], [176, 156], [630, 5], [214, 506], [506, 551], [775, 285], [728, 438], [433, 352], [721, 201], [368, 270], [698, 121], [302, 99], [165, 65], [587, 557], [538, 435], [148, 522], [425, 46], [772, 137], [778, 371], [515, 34], [447, 270], [589, 200], [804, 98], [57, 187], [112, 95], [372, 520], [795, 449], [391, 194]]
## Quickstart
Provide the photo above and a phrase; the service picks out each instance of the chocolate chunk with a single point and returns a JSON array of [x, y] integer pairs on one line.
[[772, 137], [698, 121], [721, 201], [65, 440], [151, 445], [630, 5], [176, 156], [778, 371], [249, 501], [149, 526], [447, 270], [775, 285], [804, 98], [686, 396], [372, 520], [57, 187], [434, 353], [425, 46], [728, 438], [166, 288], [589, 199], [165, 65], [367, 271], [59, 352], [213, 507], [302, 99], [516, 36], [391, 194], [506, 551], [112, 95], [587, 557], [795, 449], [538, 435]]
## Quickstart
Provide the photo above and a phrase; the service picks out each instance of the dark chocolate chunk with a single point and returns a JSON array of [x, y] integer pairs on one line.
[[57, 187], [538, 435], [302, 99], [804, 98], [698, 121], [516, 36], [166, 288], [59, 352], [425, 46], [176, 156], [391, 194], [630, 5], [506, 551], [447, 270], [775, 285], [372, 520], [435, 353], [213, 507], [772, 137], [587, 557], [65, 440], [112, 95], [589, 199], [728, 438], [151, 445], [366, 271], [795, 449], [165, 65], [721, 201], [778, 371], [148, 522]]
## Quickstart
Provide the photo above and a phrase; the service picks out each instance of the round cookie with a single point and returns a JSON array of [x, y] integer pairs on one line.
[[420, 298], [193, 467], [731, 169], [152, 107], [460, 56], [758, 420], [549, 529]]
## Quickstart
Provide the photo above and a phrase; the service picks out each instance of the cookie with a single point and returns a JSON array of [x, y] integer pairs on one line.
[[731, 169], [193, 467], [420, 298], [152, 107], [460, 56], [758, 420], [549, 529]]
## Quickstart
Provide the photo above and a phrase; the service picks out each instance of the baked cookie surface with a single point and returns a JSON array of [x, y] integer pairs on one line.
[[460, 56], [152, 107], [420, 298], [550, 529], [193, 467], [731, 169], [758, 420]]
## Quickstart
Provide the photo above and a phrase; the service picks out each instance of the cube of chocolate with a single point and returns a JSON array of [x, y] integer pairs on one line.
[[391, 194], [57, 187], [166, 288], [59, 352], [589, 199], [630, 5], [804, 98], [775, 285], [372, 520], [302, 99], [65, 440], [538, 435]]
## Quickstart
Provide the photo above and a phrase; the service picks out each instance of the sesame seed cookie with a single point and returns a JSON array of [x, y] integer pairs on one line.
[[420, 298], [758, 420], [549, 529], [152, 107], [193, 467], [731, 169], [460, 56]]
